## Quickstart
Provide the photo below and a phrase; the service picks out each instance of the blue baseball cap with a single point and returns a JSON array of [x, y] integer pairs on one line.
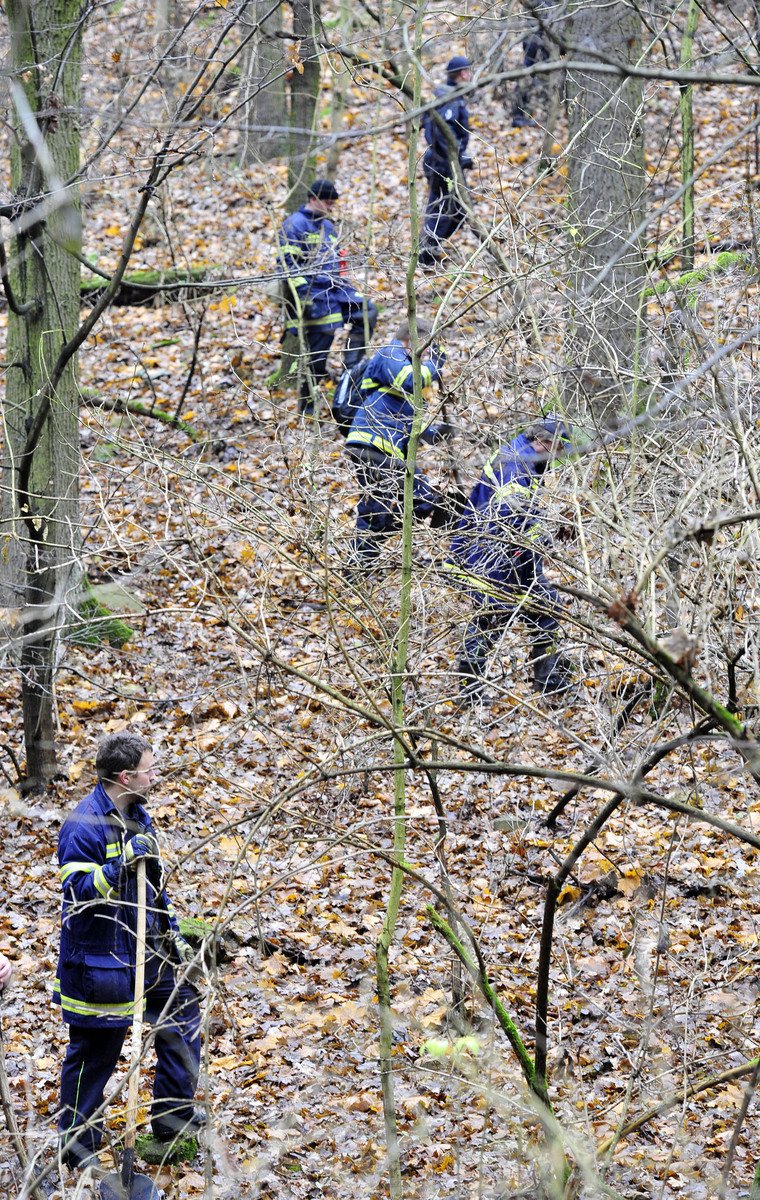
[[456, 64], [555, 428]]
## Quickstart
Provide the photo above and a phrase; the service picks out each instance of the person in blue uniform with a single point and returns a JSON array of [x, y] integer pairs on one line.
[[318, 300], [535, 50], [494, 554], [444, 212], [99, 845], [378, 440]]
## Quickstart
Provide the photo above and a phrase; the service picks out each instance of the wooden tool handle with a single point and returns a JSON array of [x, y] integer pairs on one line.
[[137, 1018]]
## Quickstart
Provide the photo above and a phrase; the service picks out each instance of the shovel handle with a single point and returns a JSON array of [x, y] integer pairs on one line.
[[137, 1017]]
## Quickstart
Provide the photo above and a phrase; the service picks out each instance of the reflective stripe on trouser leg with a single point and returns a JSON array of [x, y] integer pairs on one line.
[[90, 1061]]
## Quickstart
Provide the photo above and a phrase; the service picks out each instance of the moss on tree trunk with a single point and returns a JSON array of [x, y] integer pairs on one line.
[[150, 287]]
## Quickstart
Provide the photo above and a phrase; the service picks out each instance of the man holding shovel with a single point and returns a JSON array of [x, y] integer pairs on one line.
[[100, 846]]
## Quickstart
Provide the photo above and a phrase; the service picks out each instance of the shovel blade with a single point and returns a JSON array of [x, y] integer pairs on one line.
[[141, 1187]]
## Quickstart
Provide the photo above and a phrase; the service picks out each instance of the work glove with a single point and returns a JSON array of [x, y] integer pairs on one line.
[[466, 163], [438, 357], [142, 845], [145, 846], [191, 968]]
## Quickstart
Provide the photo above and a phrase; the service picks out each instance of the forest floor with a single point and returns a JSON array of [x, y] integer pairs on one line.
[[275, 798]]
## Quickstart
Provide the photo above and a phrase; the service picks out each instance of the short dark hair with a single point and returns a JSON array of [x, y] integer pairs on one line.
[[424, 329], [120, 751]]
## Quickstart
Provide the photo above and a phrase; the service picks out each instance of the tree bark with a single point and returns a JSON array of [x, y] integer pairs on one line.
[[304, 92], [265, 114], [41, 468], [687, 137], [606, 205]]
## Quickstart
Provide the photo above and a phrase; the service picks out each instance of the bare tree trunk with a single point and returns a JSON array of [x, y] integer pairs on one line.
[[265, 115], [606, 206], [341, 80], [41, 460], [687, 138], [304, 92], [163, 21], [166, 20]]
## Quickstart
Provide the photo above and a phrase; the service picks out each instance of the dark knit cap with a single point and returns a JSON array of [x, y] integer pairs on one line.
[[324, 189]]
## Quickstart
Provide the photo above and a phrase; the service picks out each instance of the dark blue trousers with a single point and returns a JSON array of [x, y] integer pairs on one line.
[[443, 214], [528, 592], [535, 51], [93, 1053], [380, 509], [319, 339]]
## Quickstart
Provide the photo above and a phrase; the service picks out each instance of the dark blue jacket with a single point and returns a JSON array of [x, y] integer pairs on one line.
[[500, 524], [310, 258], [454, 113], [386, 415], [96, 966]]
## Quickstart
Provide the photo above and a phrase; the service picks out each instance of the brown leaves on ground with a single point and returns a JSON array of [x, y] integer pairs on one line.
[[275, 794]]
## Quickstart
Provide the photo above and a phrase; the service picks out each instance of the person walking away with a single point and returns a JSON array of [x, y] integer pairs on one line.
[[99, 845], [378, 441], [444, 212], [318, 299], [494, 555], [535, 50]]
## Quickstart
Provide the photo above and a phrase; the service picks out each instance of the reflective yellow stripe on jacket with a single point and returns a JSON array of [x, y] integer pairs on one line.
[[330, 319], [396, 386], [91, 868], [85, 1008], [504, 492], [365, 438], [477, 583]]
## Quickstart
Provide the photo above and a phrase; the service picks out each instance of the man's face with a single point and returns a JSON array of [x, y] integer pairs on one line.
[[140, 781], [323, 207], [548, 447], [464, 76]]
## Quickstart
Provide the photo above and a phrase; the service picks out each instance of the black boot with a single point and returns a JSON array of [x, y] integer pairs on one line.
[[521, 119], [362, 557], [472, 683], [305, 399], [552, 672], [75, 1155], [170, 1126], [429, 257]]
